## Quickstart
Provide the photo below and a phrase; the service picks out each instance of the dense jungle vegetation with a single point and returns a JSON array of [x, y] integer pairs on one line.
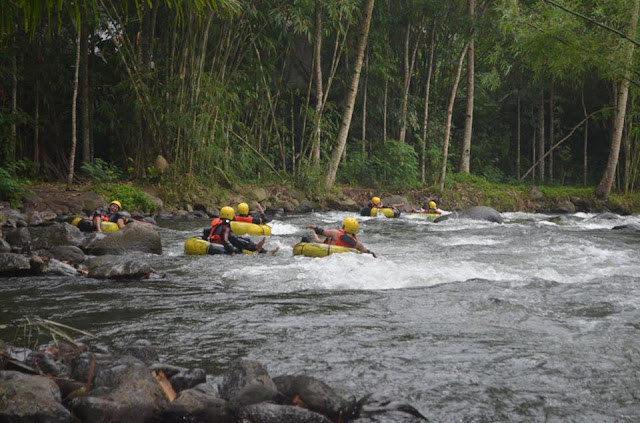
[[310, 94]]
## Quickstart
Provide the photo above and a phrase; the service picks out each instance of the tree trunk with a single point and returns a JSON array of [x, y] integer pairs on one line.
[[551, 130], [540, 143], [447, 127], [468, 122], [364, 108], [604, 188], [343, 132], [384, 110], [405, 89], [425, 119], [317, 71], [74, 112], [518, 138], [84, 72], [11, 154], [586, 137]]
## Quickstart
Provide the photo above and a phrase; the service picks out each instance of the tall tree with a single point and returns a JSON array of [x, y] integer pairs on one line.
[[604, 187], [343, 132], [468, 122]]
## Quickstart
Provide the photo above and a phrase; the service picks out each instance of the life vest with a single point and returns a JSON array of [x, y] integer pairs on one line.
[[248, 219], [341, 243], [215, 234]]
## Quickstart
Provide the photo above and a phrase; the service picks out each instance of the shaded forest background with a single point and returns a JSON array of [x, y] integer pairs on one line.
[[260, 92]]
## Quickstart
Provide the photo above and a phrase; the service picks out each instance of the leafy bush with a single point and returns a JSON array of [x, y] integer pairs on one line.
[[12, 186], [101, 171], [132, 198]]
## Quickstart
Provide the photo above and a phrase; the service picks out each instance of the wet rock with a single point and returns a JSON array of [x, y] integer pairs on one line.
[[381, 409], [115, 267], [58, 268], [241, 373], [168, 369], [629, 227], [18, 237], [397, 199], [28, 398], [607, 216], [5, 247], [476, 213], [47, 237], [88, 202], [68, 253], [305, 206], [273, 413], [38, 265], [199, 404], [125, 391], [253, 394], [142, 350], [45, 362], [564, 206], [316, 396], [131, 238], [187, 379], [12, 264], [34, 219]]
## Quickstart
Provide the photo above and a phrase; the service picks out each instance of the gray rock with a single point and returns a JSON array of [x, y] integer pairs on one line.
[[18, 237], [132, 238], [316, 395], [14, 265], [115, 267], [381, 409], [253, 394], [187, 379], [199, 404], [46, 237], [5, 247], [476, 213], [58, 268], [142, 350], [273, 413], [564, 206], [305, 206], [69, 253], [397, 199], [241, 373], [27, 398]]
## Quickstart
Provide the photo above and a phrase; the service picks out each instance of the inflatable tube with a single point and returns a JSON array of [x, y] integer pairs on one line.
[[430, 216], [313, 249], [86, 225], [244, 228], [199, 247], [385, 211]]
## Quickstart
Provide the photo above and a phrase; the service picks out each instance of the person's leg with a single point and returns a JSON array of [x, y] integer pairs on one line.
[[98, 222]]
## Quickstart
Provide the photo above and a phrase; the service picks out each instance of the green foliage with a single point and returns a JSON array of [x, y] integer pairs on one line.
[[11, 185], [556, 192], [101, 171], [132, 198], [393, 165]]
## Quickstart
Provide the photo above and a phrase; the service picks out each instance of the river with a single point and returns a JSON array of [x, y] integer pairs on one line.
[[532, 320]]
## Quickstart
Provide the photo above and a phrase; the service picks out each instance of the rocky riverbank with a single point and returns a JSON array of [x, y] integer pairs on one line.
[[67, 382]]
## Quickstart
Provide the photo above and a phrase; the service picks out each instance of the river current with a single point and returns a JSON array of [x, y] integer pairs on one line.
[[532, 320]]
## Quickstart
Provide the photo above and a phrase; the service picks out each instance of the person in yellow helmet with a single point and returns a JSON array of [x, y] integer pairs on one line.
[[377, 202], [432, 208], [220, 233], [345, 237], [110, 214], [244, 216]]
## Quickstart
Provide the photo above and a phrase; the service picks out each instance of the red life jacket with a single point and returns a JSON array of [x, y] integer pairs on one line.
[[248, 219], [341, 243], [215, 235]]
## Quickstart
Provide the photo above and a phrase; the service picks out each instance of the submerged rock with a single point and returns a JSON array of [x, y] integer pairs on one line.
[[476, 213], [134, 237], [115, 267]]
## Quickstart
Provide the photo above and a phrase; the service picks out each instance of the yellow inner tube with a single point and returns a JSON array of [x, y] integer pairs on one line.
[[199, 247], [385, 211], [314, 249], [106, 226], [244, 228]]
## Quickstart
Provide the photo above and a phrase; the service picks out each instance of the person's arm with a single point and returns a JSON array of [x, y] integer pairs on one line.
[[359, 246], [333, 233], [397, 205], [261, 216], [229, 248]]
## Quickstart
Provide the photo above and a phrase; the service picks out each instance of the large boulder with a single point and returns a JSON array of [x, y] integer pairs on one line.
[[397, 199], [115, 267], [475, 213], [14, 265], [274, 413], [242, 373], [28, 398], [45, 237], [125, 391], [316, 395], [18, 237], [199, 404], [376, 408], [134, 237]]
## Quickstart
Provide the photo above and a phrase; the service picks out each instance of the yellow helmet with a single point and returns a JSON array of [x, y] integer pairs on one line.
[[117, 203], [243, 209], [432, 205], [375, 200], [227, 213], [350, 225]]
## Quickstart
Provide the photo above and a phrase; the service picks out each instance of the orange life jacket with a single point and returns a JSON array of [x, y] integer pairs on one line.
[[248, 219], [341, 243], [215, 235]]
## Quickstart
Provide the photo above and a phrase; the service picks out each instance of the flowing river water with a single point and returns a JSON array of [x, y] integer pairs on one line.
[[529, 320]]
